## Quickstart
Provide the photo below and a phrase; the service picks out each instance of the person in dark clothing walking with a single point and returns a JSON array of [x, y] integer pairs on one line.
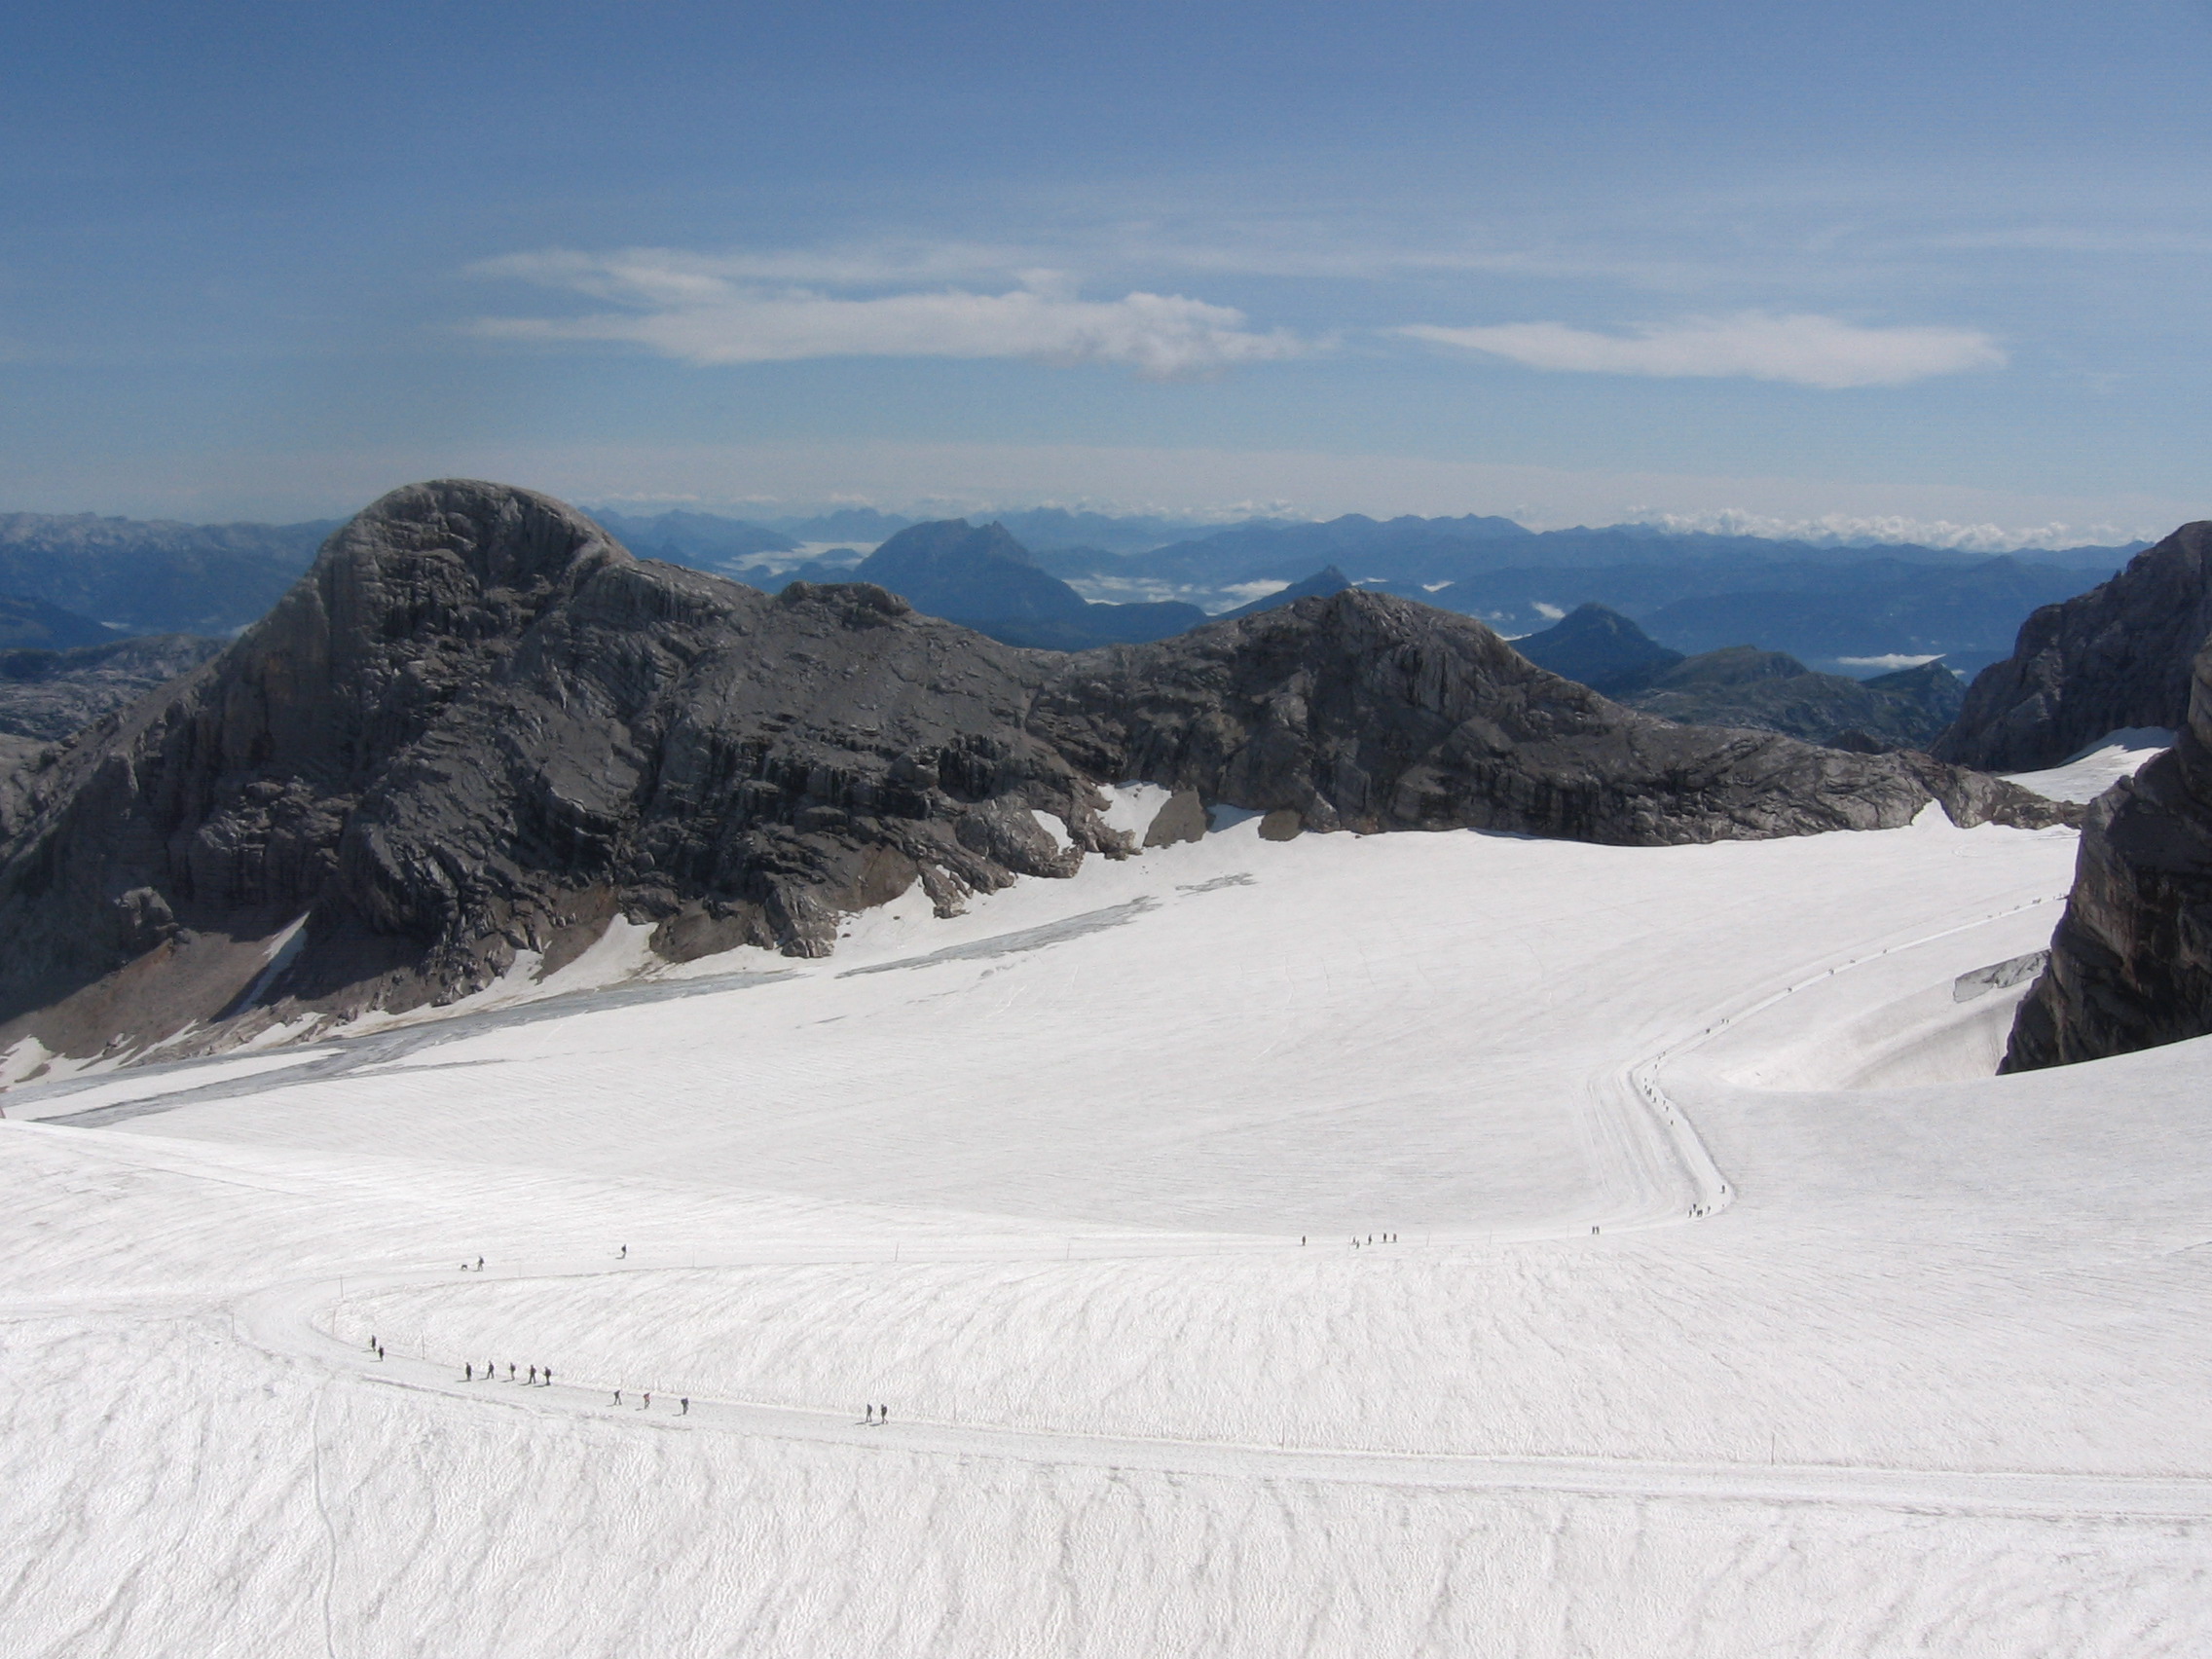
[[686, 1403]]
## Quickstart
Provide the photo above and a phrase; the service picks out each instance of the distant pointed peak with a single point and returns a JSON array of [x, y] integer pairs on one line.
[[941, 538]]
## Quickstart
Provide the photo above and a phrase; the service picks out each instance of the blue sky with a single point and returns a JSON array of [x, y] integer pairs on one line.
[[1940, 267]]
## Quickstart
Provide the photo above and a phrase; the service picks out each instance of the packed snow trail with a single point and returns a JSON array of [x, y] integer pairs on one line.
[[281, 1322]]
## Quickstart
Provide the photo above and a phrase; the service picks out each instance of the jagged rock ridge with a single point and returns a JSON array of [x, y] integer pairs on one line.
[[1369, 713], [479, 729], [2117, 656]]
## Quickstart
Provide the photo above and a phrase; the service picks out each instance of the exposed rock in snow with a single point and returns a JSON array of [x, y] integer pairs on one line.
[[2131, 962], [478, 730], [2116, 656]]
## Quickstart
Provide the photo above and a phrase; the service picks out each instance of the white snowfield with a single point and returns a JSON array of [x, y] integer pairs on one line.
[[1720, 1302]]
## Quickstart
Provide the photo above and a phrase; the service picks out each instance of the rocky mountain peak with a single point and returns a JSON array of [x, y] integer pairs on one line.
[[1598, 647], [982, 576], [477, 731]]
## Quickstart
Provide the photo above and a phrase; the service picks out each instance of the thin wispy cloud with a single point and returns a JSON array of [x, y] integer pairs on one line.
[[780, 309], [1822, 352]]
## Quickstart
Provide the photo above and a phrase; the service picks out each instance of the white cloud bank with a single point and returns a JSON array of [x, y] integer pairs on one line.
[[1865, 530], [709, 313], [1889, 663], [1809, 350]]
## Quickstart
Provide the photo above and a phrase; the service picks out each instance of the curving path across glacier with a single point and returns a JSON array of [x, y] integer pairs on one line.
[[284, 1321], [1661, 1156]]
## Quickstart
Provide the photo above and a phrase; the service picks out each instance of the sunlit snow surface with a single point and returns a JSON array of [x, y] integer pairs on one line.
[[2096, 770], [1930, 1376]]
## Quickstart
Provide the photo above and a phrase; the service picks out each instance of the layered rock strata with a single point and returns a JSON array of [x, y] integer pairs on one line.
[[478, 729]]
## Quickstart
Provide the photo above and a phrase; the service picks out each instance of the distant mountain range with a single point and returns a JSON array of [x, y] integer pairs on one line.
[[39, 625], [701, 540], [1827, 604], [1744, 686], [154, 576], [509, 730], [1864, 614], [985, 579], [708, 541], [1598, 647], [1836, 609]]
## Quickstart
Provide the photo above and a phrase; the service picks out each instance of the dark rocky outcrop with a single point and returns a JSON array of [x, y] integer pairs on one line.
[[478, 724], [1365, 712], [479, 729], [2131, 960], [2117, 656]]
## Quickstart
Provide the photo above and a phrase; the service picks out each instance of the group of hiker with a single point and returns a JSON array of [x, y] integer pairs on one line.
[[538, 1377], [541, 1376]]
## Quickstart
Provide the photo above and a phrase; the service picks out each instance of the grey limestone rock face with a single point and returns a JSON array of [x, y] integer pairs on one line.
[[2131, 960], [2118, 655], [478, 722], [50, 694], [1182, 819], [477, 729], [1363, 712]]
